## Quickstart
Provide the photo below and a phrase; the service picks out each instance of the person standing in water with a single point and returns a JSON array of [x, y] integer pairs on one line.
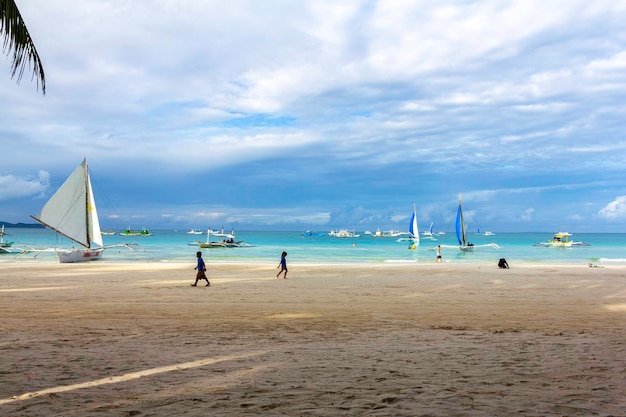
[[438, 254], [201, 268], [282, 265]]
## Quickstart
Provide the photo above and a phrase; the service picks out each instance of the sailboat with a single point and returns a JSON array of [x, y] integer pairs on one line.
[[461, 231], [71, 212], [414, 233], [429, 233]]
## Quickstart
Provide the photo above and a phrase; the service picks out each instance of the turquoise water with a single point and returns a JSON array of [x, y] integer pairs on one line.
[[177, 246]]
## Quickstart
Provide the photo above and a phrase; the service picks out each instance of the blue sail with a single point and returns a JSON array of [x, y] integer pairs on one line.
[[412, 231], [460, 235]]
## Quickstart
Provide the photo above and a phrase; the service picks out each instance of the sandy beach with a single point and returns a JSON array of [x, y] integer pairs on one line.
[[113, 339]]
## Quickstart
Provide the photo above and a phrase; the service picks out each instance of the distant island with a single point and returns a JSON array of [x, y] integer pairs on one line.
[[22, 225]]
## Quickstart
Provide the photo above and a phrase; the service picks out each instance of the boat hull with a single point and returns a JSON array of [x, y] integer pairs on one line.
[[80, 255], [209, 245], [7, 247]]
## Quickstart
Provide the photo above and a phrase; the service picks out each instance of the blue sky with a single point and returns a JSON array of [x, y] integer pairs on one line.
[[320, 115]]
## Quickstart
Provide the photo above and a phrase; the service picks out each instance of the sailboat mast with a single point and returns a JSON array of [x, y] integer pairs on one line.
[[87, 192], [463, 227]]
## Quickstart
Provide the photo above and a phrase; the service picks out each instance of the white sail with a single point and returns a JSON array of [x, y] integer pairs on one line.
[[71, 211]]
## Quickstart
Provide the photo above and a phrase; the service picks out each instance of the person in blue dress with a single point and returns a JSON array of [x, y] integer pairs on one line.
[[201, 268], [282, 265]]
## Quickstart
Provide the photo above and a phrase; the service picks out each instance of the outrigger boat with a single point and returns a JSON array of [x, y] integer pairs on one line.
[[344, 233], [390, 233], [561, 240], [309, 233], [228, 240], [6, 247], [130, 232]]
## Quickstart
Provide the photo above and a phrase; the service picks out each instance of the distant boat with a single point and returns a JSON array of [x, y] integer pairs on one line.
[[414, 233], [428, 234], [71, 212], [390, 233], [228, 240], [484, 233], [108, 232], [130, 232], [6, 247], [561, 240], [344, 233], [195, 232], [309, 233]]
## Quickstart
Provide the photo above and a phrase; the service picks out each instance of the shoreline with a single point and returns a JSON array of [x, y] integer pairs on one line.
[[602, 262]]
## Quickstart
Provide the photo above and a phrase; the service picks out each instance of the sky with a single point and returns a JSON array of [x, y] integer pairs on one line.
[[320, 115]]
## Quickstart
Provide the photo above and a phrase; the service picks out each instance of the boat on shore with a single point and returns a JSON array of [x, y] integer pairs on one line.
[[71, 212]]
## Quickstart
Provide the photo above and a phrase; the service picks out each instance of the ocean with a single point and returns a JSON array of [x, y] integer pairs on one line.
[[266, 246]]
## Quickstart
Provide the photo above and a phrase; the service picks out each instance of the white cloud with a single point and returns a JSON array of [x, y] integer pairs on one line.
[[16, 187], [527, 215], [616, 209]]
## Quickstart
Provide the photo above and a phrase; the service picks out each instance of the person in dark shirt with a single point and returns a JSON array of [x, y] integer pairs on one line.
[[201, 268], [282, 265]]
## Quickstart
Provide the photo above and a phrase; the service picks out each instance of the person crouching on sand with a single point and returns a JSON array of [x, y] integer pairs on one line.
[[282, 265], [201, 271]]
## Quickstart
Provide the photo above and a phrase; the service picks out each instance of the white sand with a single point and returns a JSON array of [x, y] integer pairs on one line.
[[331, 340]]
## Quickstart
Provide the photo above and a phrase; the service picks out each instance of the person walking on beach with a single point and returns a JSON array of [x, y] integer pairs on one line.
[[439, 259], [282, 265], [201, 268]]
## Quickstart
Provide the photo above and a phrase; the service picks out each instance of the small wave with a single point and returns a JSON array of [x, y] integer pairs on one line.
[[616, 260], [400, 261]]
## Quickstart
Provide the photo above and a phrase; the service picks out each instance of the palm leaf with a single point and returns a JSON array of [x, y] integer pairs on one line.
[[17, 41]]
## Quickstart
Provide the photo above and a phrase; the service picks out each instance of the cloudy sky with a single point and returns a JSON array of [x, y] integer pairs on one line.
[[320, 114]]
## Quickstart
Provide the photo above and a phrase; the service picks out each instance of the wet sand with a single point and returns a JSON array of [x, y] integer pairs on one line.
[[446, 339]]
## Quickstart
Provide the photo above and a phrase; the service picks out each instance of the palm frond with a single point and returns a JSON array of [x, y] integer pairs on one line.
[[17, 41]]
